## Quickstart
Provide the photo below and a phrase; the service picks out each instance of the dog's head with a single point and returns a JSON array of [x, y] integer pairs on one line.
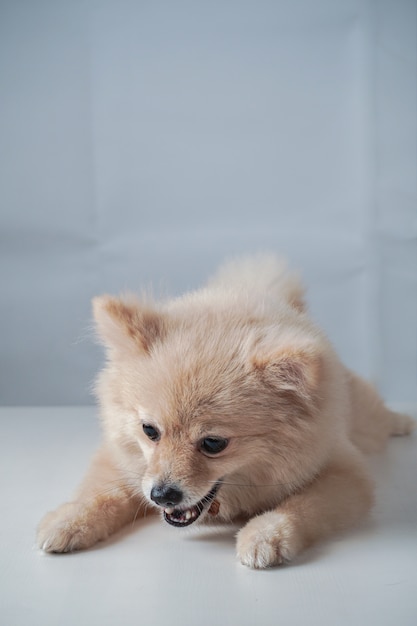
[[201, 401]]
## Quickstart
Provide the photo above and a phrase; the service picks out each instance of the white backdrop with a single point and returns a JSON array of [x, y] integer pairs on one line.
[[145, 141]]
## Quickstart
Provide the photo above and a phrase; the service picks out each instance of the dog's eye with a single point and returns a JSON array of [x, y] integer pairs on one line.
[[151, 432], [213, 445]]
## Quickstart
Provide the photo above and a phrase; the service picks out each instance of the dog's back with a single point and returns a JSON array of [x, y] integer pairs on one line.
[[266, 278]]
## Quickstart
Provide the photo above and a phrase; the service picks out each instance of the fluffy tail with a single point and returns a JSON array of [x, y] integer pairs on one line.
[[401, 424], [371, 421], [263, 274]]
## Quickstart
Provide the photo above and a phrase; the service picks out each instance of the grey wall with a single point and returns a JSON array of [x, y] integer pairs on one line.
[[144, 141]]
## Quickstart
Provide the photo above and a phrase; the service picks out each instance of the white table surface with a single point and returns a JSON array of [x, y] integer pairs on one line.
[[153, 574]]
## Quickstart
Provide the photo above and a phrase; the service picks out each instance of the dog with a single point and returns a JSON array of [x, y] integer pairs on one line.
[[226, 405]]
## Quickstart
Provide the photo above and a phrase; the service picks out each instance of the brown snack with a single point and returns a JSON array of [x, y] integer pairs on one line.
[[214, 507]]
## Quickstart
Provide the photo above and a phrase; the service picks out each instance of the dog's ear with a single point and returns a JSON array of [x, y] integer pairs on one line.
[[291, 368], [125, 326]]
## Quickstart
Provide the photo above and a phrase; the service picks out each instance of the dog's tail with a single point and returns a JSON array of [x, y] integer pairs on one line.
[[263, 274], [372, 422]]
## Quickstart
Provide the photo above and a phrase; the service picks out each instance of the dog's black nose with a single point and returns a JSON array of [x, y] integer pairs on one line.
[[166, 495]]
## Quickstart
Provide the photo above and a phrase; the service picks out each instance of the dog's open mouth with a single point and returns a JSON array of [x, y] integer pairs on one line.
[[184, 517]]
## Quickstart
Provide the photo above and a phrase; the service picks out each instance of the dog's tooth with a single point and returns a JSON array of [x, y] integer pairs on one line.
[[188, 514], [169, 510]]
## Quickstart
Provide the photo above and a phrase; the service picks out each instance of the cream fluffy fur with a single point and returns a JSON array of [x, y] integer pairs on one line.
[[237, 363]]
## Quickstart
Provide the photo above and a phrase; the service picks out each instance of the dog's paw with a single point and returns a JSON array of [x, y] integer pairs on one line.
[[267, 540], [70, 527]]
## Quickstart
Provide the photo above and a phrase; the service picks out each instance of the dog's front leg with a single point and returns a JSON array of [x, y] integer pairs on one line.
[[103, 504], [339, 496]]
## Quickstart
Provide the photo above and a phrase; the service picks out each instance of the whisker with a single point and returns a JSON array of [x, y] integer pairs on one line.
[[136, 514], [127, 485], [255, 485]]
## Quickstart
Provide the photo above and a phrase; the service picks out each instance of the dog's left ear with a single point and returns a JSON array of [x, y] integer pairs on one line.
[[126, 326], [291, 368]]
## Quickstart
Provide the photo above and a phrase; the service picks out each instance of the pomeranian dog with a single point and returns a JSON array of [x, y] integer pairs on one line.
[[227, 405]]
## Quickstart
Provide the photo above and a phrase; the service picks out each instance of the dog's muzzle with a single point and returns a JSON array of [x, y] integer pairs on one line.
[[181, 517]]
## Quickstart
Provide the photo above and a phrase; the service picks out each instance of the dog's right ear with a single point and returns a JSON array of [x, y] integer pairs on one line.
[[292, 367], [126, 326]]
